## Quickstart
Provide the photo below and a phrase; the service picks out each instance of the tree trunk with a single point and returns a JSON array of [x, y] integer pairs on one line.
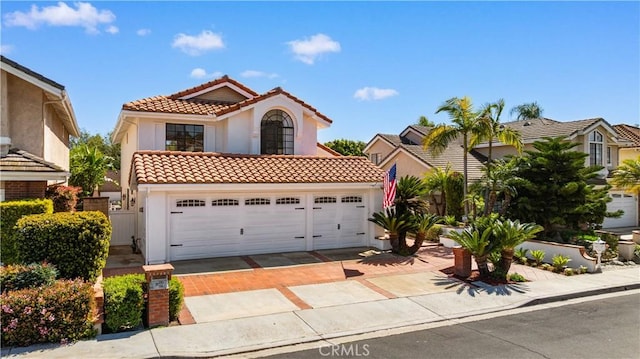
[[506, 259], [417, 244], [466, 176], [505, 203], [402, 243], [483, 266], [393, 240]]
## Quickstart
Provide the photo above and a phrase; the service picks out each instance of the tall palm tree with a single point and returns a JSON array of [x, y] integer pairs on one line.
[[490, 129], [464, 123], [527, 111], [627, 176], [435, 182]]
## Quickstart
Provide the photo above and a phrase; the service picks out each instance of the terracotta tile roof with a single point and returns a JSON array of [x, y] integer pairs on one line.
[[194, 106], [22, 161], [631, 133], [167, 167], [545, 127], [215, 82]]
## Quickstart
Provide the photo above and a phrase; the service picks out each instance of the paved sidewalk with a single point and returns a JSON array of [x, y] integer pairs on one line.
[[335, 309]]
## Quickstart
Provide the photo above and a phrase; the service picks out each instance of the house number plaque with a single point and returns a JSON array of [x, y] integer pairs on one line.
[[160, 282]]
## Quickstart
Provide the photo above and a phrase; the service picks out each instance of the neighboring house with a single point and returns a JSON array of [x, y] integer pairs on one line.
[[594, 136], [324, 151], [631, 134], [220, 170], [111, 189], [411, 159], [37, 120]]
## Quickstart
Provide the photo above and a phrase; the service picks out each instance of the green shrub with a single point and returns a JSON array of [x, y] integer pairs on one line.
[[538, 256], [76, 243], [559, 262], [450, 220], [521, 255], [454, 195], [568, 272], [10, 213], [517, 277], [176, 297], [433, 233], [17, 276], [582, 269], [495, 257], [123, 301], [58, 313], [65, 198]]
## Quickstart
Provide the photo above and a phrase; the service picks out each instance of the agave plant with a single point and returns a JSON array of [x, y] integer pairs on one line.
[[509, 234], [421, 224], [394, 223], [478, 243]]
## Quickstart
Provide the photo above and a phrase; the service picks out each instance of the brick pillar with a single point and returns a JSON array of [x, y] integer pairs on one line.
[[158, 277], [96, 204], [462, 262]]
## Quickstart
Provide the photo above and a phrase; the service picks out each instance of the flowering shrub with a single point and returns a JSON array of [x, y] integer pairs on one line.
[[64, 198], [58, 313], [17, 276]]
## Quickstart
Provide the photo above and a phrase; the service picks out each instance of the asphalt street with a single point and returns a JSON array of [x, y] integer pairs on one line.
[[604, 328]]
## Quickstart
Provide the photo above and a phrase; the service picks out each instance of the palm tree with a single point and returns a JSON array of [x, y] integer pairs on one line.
[[490, 129], [509, 234], [627, 176], [395, 224], [478, 243], [499, 179], [410, 195], [421, 224], [435, 182], [527, 111], [88, 168], [425, 121], [464, 123]]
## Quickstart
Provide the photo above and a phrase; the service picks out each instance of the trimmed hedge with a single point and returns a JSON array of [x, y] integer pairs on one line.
[[58, 313], [10, 213], [18, 276], [123, 301], [176, 298], [76, 243]]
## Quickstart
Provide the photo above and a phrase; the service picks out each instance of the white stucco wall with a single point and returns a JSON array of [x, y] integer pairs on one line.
[[156, 227], [239, 129], [56, 139], [128, 146]]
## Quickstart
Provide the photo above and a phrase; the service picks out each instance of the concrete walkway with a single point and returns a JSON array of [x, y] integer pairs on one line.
[[259, 319]]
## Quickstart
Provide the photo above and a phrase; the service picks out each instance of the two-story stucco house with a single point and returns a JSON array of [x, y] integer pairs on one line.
[[220, 170], [37, 120], [595, 136]]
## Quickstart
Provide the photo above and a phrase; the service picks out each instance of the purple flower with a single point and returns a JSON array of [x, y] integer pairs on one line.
[[28, 310], [6, 309]]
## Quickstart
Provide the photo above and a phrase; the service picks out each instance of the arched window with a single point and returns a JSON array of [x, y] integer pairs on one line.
[[595, 148], [276, 133]]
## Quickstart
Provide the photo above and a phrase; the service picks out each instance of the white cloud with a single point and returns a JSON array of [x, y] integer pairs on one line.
[[83, 15], [196, 45], [254, 73], [374, 93], [309, 49], [200, 73], [143, 32], [113, 29], [6, 49]]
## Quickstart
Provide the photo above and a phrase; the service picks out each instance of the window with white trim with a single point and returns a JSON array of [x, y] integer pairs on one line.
[[595, 148], [608, 155], [324, 199], [225, 202], [182, 137], [257, 201], [190, 203], [351, 199], [288, 200]]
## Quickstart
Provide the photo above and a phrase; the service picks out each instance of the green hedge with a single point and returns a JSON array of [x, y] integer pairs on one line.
[[123, 301], [10, 213], [18, 276], [76, 243], [176, 298], [58, 313]]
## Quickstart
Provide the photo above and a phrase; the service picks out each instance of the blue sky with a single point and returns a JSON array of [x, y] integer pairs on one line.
[[370, 66]]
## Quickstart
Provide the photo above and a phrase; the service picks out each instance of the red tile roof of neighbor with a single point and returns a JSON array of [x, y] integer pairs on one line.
[[168, 167], [631, 133], [195, 106]]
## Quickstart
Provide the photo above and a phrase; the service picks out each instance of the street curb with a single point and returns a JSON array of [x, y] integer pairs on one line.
[[587, 293]]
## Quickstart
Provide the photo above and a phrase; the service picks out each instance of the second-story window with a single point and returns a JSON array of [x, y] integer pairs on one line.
[[276, 133], [595, 148], [182, 137]]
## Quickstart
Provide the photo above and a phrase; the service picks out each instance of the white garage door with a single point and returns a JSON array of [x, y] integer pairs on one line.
[[339, 221], [205, 226], [628, 204]]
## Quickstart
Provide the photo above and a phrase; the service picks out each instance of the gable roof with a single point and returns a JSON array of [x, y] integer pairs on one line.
[[171, 167], [53, 90], [329, 149], [22, 165], [535, 129], [630, 133], [178, 104]]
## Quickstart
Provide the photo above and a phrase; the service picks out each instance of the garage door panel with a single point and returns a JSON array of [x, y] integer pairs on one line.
[[626, 203], [341, 224]]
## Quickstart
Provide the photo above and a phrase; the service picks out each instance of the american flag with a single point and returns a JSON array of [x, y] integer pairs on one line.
[[389, 187]]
